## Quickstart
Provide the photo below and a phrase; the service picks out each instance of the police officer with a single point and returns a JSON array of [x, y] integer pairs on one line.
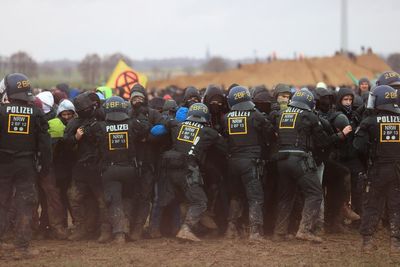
[[247, 131], [85, 132], [192, 140], [299, 132], [378, 138], [23, 136], [119, 164]]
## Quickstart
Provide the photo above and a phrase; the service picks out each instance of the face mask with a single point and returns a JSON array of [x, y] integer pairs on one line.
[[215, 108], [263, 107], [324, 104], [86, 113], [191, 102], [347, 109], [283, 105]]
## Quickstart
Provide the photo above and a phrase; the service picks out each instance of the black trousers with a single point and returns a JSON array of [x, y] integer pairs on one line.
[[383, 187], [294, 175], [191, 193], [19, 174], [244, 177], [142, 195], [86, 179], [337, 182], [118, 182]]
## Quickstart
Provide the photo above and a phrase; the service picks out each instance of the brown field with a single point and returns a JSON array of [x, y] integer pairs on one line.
[[331, 70], [337, 250]]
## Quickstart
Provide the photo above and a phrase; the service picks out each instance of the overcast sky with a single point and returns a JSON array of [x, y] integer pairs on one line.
[[56, 29]]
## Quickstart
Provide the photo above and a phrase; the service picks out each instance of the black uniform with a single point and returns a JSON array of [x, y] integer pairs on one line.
[[378, 137], [119, 168], [23, 134], [247, 132], [191, 143], [299, 132]]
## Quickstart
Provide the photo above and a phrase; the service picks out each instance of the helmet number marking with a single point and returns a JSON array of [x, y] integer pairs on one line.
[[23, 84]]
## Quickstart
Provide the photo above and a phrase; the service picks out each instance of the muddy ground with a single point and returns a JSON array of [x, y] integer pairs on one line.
[[337, 250]]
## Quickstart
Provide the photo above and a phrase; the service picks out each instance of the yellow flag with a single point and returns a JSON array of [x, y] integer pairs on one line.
[[125, 77]]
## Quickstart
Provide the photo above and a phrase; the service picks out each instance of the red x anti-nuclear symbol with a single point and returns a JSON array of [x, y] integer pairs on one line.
[[126, 80]]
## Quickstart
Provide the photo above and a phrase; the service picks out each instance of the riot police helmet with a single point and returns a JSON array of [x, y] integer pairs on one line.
[[17, 86], [390, 78], [116, 109], [386, 99], [239, 99], [303, 99], [198, 112]]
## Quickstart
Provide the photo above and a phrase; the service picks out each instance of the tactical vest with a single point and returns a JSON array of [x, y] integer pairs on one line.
[[291, 130], [186, 136], [18, 125], [387, 137], [118, 141], [241, 130]]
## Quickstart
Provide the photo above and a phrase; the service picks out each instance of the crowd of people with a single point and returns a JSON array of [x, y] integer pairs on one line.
[[286, 163]]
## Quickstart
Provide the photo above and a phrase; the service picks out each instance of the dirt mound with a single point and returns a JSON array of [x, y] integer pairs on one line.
[[331, 70]]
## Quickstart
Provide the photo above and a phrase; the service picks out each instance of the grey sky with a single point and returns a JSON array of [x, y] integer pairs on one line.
[[56, 29]]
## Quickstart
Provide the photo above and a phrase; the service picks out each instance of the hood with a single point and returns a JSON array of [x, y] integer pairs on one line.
[[65, 105], [139, 88], [342, 93], [157, 103], [46, 98], [47, 101], [191, 92], [261, 95]]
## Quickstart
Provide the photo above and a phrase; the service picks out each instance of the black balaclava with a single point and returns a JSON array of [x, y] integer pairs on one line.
[[325, 103], [191, 92]]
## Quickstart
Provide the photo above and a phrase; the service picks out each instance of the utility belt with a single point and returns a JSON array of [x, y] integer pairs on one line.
[[173, 159], [123, 163], [306, 159], [7, 156]]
